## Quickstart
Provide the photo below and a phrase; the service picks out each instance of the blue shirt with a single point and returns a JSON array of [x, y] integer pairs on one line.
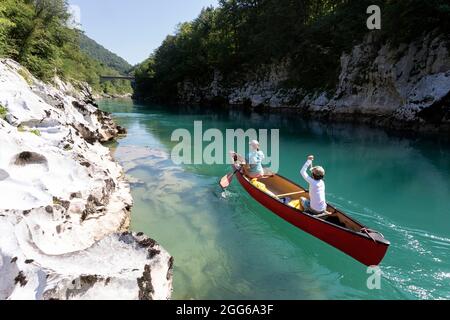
[[255, 159]]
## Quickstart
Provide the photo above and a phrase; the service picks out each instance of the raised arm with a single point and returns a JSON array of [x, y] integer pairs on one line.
[[304, 173]]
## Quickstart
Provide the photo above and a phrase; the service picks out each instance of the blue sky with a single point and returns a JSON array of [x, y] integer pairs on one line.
[[134, 28]]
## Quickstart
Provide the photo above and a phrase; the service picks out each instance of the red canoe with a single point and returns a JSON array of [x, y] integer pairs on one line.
[[338, 230]]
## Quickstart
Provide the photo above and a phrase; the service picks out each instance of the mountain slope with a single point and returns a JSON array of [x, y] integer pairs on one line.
[[103, 55]]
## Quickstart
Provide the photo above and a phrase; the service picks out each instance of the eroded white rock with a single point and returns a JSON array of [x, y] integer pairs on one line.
[[63, 200]]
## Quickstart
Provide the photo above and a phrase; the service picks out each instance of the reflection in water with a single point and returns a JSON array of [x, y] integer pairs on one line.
[[232, 248]]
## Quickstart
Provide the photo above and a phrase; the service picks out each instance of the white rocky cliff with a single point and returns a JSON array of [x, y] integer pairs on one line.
[[406, 82], [404, 85], [64, 203]]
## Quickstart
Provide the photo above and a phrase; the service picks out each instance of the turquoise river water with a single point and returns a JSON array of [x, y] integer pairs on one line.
[[233, 248]]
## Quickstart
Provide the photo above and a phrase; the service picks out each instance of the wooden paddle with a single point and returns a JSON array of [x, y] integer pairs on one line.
[[226, 180]]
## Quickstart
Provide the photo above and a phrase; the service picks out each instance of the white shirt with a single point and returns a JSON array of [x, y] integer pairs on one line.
[[316, 190]]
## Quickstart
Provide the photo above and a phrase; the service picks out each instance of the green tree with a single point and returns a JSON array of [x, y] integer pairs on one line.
[[36, 34], [103, 55], [243, 35]]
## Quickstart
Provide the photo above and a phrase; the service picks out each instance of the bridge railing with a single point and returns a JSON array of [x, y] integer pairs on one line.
[[110, 78]]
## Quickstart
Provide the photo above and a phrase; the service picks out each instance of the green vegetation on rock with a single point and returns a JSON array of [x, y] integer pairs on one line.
[[22, 129], [36, 132], [3, 112], [26, 76]]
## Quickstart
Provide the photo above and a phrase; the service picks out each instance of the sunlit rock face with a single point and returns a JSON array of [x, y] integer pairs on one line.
[[409, 82], [405, 86], [64, 203]]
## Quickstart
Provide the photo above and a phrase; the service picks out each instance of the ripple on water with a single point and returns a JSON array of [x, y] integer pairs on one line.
[[233, 248], [407, 242], [169, 191]]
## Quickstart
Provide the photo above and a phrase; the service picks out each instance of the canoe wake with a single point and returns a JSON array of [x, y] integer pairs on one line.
[[422, 247]]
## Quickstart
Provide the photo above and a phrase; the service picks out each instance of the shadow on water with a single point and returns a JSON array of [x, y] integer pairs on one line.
[[234, 248], [291, 122]]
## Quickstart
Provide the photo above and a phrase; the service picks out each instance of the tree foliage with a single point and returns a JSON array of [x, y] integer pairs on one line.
[[241, 35], [36, 34], [103, 55]]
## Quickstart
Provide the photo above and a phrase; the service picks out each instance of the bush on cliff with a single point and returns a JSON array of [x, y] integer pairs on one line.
[[3, 112]]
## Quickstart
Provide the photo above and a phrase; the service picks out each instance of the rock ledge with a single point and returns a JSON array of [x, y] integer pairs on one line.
[[64, 203]]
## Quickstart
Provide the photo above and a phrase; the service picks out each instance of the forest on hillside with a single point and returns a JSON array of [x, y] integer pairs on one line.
[[241, 35], [36, 33], [103, 55]]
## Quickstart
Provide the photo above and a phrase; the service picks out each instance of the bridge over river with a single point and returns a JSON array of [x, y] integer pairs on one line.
[[110, 78]]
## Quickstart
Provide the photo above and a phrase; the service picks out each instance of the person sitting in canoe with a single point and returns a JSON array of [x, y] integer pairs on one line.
[[254, 169], [317, 204]]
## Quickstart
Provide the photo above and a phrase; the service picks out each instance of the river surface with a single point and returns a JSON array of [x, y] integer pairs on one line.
[[233, 248]]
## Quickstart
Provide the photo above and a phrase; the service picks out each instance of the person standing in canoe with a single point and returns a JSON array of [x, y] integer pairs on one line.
[[317, 204], [254, 160]]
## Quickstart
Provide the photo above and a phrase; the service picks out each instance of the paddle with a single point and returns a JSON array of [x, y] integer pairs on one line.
[[226, 180]]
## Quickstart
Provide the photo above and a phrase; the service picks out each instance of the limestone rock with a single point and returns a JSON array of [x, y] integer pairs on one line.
[[405, 85], [63, 200]]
